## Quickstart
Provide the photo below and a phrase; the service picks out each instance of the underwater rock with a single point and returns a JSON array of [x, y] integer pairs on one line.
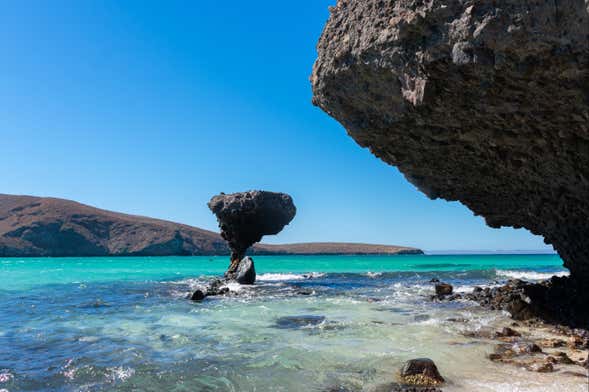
[[244, 218], [422, 372], [294, 322]]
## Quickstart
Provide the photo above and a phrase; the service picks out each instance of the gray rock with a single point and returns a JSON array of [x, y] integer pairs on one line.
[[246, 272], [480, 102]]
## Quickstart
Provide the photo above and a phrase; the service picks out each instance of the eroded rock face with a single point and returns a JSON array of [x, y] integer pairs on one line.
[[244, 218], [482, 102]]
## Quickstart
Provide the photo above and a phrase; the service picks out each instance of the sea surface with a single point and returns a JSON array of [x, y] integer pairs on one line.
[[311, 323]]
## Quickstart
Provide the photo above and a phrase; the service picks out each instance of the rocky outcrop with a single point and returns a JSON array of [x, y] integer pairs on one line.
[[558, 300], [245, 217], [482, 102], [40, 226]]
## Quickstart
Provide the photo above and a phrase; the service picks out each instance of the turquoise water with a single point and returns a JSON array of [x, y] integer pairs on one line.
[[310, 323], [29, 272]]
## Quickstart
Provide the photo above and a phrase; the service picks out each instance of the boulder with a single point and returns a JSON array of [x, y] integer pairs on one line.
[[443, 289], [198, 295], [473, 101], [246, 273], [422, 372]]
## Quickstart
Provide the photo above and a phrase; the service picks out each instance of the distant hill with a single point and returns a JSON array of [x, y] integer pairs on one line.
[[39, 226]]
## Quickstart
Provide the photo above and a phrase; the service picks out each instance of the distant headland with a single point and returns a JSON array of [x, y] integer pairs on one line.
[[38, 226]]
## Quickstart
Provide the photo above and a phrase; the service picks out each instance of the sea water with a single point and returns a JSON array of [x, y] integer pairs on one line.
[[310, 323]]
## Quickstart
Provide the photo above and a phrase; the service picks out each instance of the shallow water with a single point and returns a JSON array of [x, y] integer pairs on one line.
[[311, 323]]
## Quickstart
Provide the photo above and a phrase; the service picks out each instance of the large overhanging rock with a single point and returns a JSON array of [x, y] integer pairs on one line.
[[477, 101], [244, 218]]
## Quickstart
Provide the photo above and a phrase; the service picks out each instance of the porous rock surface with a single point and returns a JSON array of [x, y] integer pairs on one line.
[[245, 217], [477, 101]]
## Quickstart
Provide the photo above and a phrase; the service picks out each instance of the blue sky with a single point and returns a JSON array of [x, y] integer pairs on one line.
[[152, 107]]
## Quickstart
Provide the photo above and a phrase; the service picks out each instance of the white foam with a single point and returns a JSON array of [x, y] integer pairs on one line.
[[373, 274], [287, 276], [120, 373], [530, 275]]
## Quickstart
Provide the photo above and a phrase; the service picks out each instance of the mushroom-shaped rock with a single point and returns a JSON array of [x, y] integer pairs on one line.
[[482, 102], [244, 218]]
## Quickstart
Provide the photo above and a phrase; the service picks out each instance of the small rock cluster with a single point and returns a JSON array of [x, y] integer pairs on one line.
[[245, 274]]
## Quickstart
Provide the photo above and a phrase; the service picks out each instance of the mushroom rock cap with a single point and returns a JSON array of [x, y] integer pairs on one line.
[[245, 217]]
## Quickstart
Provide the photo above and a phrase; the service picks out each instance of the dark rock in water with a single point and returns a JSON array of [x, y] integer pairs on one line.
[[421, 371], [244, 218], [217, 287], [479, 102], [245, 273], [558, 300], [434, 280], [294, 322], [443, 289], [198, 295]]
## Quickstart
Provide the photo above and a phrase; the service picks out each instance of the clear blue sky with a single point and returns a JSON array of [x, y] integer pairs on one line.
[[152, 107]]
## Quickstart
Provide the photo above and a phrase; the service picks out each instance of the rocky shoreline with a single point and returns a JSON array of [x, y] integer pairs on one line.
[[545, 336]]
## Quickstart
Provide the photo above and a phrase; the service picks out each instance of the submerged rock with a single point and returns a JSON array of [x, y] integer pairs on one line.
[[479, 102], [294, 322], [244, 218], [422, 372]]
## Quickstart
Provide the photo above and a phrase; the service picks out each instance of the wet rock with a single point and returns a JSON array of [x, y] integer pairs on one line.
[[217, 287], [563, 358], [295, 322], [198, 295], [421, 372], [507, 332], [526, 348], [244, 218], [246, 273], [558, 300], [443, 289], [551, 343], [545, 367]]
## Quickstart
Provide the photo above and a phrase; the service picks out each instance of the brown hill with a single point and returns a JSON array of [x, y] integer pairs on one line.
[[38, 226]]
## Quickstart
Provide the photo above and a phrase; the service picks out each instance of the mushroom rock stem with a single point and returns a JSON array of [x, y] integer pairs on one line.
[[486, 103], [245, 217]]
